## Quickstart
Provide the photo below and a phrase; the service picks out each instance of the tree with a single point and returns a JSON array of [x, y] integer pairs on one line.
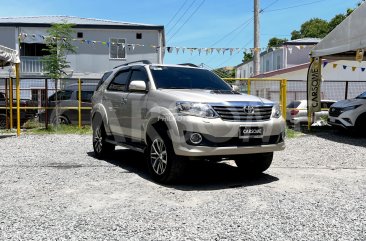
[[247, 57], [274, 42], [225, 72], [58, 45], [314, 28], [335, 21]]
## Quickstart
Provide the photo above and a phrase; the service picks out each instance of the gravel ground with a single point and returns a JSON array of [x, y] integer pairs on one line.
[[52, 188]]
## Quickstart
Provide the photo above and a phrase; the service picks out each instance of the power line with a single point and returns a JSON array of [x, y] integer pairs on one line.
[[295, 6], [180, 9], [181, 17], [190, 16]]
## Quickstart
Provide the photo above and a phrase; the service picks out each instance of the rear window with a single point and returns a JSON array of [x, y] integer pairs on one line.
[[186, 78], [294, 104]]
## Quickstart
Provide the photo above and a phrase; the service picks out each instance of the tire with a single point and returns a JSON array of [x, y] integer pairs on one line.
[[101, 148], [163, 165], [61, 120], [360, 126], [3, 121], [254, 164]]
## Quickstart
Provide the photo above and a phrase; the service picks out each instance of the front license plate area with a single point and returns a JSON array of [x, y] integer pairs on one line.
[[246, 132]]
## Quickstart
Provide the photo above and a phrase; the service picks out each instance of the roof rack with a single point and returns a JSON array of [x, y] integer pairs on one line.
[[133, 62], [189, 64]]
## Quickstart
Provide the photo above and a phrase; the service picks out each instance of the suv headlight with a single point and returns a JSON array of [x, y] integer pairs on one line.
[[196, 109], [349, 108], [276, 111]]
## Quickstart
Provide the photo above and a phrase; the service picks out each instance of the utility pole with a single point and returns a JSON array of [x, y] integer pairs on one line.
[[256, 51]]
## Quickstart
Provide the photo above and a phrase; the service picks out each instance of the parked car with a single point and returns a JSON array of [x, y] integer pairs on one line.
[[24, 114], [68, 98], [297, 113], [349, 114], [173, 113]]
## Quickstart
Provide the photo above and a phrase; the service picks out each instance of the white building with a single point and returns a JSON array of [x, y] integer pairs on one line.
[[291, 53]]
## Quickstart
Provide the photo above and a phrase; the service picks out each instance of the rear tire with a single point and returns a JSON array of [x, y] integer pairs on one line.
[[254, 164], [163, 165], [61, 120], [101, 148]]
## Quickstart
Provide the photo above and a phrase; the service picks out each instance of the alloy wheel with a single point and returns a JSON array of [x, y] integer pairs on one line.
[[98, 140], [158, 156]]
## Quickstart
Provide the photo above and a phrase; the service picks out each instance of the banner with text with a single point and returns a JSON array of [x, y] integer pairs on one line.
[[313, 85]]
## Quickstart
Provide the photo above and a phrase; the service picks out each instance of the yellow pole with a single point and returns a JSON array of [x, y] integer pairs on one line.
[[79, 102], [249, 86], [11, 102], [17, 65], [284, 97]]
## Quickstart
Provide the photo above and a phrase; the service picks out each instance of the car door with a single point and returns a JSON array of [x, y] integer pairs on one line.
[[114, 99], [136, 106]]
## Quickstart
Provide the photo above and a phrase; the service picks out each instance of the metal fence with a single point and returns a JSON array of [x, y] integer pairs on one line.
[[45, 101]]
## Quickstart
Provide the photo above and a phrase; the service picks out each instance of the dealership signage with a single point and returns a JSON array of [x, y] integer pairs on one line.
[[313, 85]]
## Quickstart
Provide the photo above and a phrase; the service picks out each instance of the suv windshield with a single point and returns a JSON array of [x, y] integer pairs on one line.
[[362, 96], [186, 78]]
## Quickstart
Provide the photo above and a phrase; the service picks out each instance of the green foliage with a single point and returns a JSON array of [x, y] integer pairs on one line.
[[274, 42], [247, 57], [314, 28], [335, 21], [58, 45], [225, 72]]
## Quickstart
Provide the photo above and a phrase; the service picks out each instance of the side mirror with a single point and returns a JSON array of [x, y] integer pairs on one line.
[[138, 86], [235, 88]]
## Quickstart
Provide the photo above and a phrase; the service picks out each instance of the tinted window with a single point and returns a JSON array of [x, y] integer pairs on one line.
[[104, 77], [186, 78], [294, 104], [119, 82], [85, 96], [2, 96], [139, 75], [61, 95]]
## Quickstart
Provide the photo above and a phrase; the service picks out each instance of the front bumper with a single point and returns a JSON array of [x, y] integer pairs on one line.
[[228, 134]]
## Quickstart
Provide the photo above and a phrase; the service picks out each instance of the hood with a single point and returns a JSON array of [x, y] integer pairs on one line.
[[209, 96], [350, 102]]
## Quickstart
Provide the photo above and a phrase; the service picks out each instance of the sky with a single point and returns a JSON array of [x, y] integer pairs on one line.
[[194, 23]]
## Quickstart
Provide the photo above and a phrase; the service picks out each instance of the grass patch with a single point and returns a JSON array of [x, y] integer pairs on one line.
[[61, 129], [290, 133]]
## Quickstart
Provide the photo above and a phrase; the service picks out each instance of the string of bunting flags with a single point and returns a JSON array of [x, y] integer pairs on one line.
[[169, 49], [344, 67]]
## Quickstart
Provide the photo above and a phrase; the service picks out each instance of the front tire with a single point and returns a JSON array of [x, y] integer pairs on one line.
[[100, 146], [254, 164], [163, 165]]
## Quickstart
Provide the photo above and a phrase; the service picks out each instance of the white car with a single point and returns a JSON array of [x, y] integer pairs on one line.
[[297, 112], [349, 114]]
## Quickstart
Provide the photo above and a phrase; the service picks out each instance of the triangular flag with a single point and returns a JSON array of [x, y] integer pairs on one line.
[[363, 69], [335, 66], [344, 66], [231, 51], [218, 50], [183, 49], [177, 49], [169, 49], [199, 51], [325, 63], [353, 68]]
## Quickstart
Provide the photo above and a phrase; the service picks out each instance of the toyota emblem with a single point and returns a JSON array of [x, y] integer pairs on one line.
[[248, 109]]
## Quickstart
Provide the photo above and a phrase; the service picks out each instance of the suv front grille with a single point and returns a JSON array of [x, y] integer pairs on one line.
[[335, 112], [237, 113]]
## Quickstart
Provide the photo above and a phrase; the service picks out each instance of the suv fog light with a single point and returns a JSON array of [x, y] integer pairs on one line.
[[195, 138]]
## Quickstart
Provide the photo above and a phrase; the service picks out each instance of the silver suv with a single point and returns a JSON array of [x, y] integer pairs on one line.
[[173, 113]]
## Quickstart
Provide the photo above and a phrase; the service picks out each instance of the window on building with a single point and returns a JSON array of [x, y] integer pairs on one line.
[[278, 62], [119, 82], [138, 35], [117, 48], [80, 35], [267, 65], [34, 50], [251, 71]]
